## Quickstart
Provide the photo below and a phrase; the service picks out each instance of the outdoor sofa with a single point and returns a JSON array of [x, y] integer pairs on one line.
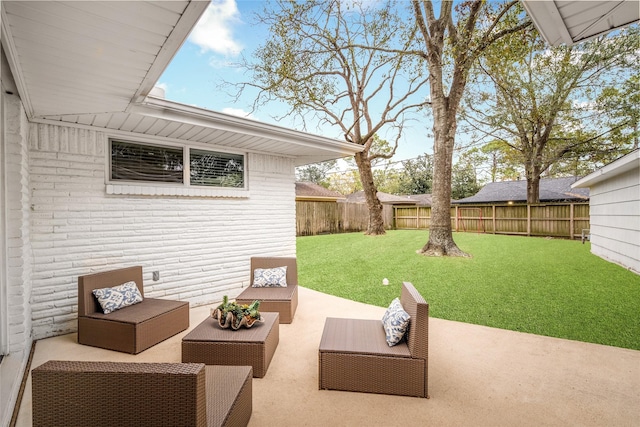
[[72, 393], [354, 354], [283, 300], [130, 329]]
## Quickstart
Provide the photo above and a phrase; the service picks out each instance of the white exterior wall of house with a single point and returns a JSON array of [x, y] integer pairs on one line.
[[615, 219], [61, 224], [201, 246], [15, 286], [615, 211]]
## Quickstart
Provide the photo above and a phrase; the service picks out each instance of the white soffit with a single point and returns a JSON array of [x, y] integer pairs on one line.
[[74, 57], [570, 22]]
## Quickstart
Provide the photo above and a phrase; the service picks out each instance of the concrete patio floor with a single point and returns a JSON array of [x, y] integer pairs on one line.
[[478, 376]]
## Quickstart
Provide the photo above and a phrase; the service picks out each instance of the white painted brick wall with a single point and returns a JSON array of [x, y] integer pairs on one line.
[[17, 215], [16, 271], [201, 246]]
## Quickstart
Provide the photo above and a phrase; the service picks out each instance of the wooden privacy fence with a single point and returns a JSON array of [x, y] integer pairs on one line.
[[549, 219], [316, 217]]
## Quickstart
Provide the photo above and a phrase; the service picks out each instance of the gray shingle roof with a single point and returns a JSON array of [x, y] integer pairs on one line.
[[389, 199], [551, 190], [421, 199], [310, 190]]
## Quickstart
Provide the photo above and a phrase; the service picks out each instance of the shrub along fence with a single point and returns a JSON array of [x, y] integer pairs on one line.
[[566, 220]]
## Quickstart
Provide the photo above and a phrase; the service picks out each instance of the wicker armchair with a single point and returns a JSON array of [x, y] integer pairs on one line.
[[354, 354], [281, 300], [131, 329], [67, 393]]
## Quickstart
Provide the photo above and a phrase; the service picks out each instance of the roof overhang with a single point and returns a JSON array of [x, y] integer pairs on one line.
[[570, 22], [94, 64], [624, 164], [92, 56]]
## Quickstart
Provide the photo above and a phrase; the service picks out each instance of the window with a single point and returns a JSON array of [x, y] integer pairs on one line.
[[216, 169], [138, 162], [164, 164]]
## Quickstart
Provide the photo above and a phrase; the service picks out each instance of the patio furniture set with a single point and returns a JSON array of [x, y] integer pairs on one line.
[[354, 354]]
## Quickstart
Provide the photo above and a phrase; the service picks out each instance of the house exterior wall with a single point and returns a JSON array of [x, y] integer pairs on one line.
[[16, 265], [615, 219], [200, 246]]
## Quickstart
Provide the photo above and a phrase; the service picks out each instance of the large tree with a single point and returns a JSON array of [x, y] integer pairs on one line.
[[417, 176], [331, 62], [619, 108], [539, 100], [464, 174], [452, 43], [316, 172], [502, 164]]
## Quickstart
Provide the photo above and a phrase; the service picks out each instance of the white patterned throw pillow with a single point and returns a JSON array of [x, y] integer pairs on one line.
[[112, 299], [395, 322], [270, 277]]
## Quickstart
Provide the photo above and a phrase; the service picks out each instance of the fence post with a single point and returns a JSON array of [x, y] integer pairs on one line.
[[528, 219], [457, 219], [494, 218], [571, 221]]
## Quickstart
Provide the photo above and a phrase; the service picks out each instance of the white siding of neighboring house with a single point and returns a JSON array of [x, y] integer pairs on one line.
[[615, 219], [200, 246]]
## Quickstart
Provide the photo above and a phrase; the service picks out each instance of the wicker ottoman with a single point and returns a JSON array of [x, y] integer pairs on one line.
[[71, 393], [209, 344]]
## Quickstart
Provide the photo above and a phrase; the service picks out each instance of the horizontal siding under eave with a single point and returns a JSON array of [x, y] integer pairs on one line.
[[201, 246], [615, 219], [619, 252]]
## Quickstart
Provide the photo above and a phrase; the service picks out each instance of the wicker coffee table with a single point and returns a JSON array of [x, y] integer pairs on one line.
[[209, 344]]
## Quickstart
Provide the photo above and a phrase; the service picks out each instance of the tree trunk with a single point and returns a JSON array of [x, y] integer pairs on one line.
[[533, 172], [440, 233], [533, 189], [376, 222]]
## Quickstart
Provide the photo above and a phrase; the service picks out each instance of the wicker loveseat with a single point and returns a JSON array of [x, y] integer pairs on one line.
[[131, 329], [354, 354], [68, 393], [281, 300]]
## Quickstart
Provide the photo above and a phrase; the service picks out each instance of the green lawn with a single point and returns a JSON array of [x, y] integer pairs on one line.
[[543, 286]]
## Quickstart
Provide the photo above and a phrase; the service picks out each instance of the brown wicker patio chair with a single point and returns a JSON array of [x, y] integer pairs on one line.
[[282, 300], [131, 329], [354, 354], [68, 393]]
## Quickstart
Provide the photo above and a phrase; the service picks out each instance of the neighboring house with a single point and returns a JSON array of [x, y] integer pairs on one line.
[[385, 198], [615, 210], [421, 199], [551, 190], [310, 191], [96, 174]]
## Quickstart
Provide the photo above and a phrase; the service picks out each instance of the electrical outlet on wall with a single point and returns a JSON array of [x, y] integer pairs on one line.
[[156, 276]]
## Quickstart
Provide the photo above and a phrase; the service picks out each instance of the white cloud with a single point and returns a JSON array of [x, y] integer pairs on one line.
[[214, 31], [236, 112], [218, 63]]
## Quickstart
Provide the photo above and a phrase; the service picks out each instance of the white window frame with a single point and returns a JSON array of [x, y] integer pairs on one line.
[[184, 189]]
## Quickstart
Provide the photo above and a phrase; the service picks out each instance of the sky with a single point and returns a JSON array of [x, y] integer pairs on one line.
[[226, 32]]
